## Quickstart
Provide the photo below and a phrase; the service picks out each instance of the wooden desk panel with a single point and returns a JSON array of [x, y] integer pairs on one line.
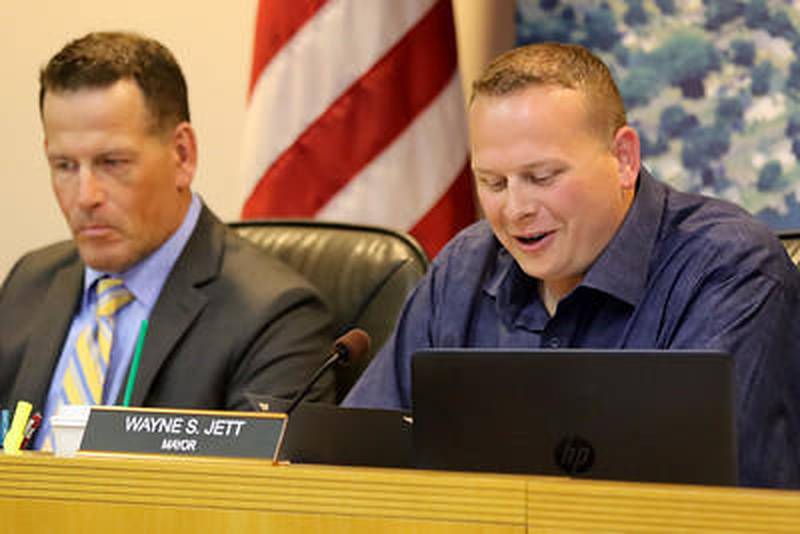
[[580, 505], [138, 494], [40, 493]]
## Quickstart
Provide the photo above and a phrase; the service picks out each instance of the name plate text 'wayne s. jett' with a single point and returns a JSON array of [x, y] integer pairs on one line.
[[186, 432]]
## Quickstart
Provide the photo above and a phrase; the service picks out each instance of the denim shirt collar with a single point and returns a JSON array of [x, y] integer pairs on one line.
[[622, 268]]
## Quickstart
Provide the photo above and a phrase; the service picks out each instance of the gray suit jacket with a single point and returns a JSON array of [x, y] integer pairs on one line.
[[230, 319]]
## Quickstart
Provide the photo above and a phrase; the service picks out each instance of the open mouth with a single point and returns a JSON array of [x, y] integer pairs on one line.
[[530, 240]]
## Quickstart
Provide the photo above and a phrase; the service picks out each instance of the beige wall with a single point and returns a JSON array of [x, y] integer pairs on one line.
[[212, 40]]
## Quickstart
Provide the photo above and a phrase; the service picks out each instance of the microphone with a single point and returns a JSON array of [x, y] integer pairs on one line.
[[353, 345]]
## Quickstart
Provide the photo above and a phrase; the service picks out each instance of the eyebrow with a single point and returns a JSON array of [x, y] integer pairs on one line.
[[526, 167], [56, 155]]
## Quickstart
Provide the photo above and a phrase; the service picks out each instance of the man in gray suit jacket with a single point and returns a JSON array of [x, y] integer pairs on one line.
[[224, 318]]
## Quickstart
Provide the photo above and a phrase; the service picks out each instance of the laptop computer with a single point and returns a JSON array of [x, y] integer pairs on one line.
[[327, 434], [655, 416]]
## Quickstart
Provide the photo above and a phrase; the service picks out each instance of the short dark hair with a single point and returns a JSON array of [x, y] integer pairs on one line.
[[100, 59], [565, 65]]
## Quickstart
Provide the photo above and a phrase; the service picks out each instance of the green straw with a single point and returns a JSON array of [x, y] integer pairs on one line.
[[137, 356]]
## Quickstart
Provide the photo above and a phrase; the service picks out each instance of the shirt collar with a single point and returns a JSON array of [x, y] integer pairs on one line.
[[146, 277], [621, 269], [515, 293], [502, 264]]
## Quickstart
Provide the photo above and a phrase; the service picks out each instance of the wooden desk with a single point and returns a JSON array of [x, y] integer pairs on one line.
[[41, 493]]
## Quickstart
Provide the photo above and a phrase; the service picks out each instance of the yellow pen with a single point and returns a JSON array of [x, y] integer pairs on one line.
[[16, 433]]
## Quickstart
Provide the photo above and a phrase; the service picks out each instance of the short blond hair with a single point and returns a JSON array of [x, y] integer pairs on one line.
[[566, 65]]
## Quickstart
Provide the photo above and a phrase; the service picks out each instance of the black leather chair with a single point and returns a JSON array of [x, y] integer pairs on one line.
[[364, 273], [791, 240]]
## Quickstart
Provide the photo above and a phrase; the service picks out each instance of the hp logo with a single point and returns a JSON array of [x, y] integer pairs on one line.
[[574, 455]]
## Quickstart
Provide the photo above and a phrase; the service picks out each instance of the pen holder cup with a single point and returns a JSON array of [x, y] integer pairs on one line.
[[68, 430]]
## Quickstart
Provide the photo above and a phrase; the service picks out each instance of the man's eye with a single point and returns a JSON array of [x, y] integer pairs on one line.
[[63, 165], [541, 177], [493, 184]]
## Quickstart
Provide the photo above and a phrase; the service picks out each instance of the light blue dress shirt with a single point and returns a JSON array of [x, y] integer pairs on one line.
[[144, 280]]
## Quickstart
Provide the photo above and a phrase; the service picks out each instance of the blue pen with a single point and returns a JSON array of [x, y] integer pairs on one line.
[[6, 421]]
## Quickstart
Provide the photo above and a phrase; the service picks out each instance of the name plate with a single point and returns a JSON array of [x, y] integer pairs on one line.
[[184, 432]]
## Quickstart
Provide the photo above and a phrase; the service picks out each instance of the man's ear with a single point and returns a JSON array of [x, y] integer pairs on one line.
[[626, 149], [185, 149]]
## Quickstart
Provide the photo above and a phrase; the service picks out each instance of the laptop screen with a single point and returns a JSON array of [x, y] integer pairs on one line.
[[657, 416]]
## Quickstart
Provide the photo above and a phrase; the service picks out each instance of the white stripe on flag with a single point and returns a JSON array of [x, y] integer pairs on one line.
[[325, 57], [407, 179]]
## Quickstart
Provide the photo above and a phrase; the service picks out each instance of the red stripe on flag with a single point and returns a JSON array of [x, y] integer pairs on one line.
[[275, 25], [361, 123], [454, 211]]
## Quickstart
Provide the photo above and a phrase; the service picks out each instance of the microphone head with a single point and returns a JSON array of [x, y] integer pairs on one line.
[[353, 345]]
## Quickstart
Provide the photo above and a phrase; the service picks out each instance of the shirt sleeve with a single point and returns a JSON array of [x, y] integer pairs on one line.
[[751, 312], [386, 383]]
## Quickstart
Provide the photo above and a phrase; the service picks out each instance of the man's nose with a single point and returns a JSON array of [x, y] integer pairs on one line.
[[90, 188], [523, 199]]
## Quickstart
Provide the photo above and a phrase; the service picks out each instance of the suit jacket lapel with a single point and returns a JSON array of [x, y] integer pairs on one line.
[[51, 325], [180, 301]]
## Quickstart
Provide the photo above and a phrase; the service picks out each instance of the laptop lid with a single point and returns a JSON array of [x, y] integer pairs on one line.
[[327, 434], [657, 416]]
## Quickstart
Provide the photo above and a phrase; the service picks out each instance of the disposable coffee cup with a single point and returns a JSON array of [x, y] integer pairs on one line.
[[68, 426]]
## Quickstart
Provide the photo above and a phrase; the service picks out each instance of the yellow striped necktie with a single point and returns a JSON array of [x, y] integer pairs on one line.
[[86, 373]]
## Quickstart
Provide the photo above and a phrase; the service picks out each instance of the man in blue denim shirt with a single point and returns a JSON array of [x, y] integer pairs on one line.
[[582, 247]]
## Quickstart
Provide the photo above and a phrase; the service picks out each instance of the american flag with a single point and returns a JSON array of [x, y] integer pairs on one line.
[[355, 113]]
